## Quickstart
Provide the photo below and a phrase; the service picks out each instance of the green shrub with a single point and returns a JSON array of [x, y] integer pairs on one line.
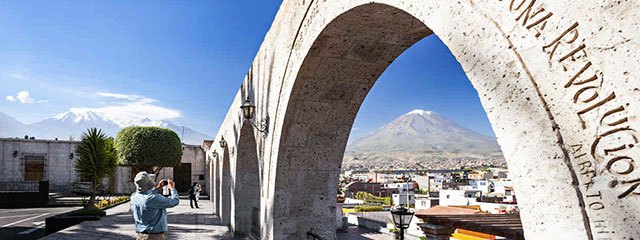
[[368, 208], [369, 198], [148, 147]]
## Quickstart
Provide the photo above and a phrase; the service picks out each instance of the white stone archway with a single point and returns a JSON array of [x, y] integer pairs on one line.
[[558, 80]]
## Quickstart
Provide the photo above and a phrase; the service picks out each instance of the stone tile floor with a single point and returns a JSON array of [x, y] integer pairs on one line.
[[184, 223]]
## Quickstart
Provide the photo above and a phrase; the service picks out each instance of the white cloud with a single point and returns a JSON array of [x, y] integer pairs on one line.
[[118, 95], [133, 108], [24, 97]]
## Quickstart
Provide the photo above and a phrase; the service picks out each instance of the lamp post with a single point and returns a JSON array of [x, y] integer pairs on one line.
[[401, 218], [248, 110]]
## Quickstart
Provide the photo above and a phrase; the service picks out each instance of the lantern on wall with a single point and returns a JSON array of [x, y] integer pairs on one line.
[[223, 143], [248, 110]]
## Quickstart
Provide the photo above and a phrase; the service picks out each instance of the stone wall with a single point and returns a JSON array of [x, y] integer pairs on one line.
[[558, 80], [195, 155], [124, 184], [60, 164]]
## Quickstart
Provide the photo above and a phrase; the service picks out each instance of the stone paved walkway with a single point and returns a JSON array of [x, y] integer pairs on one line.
[[184, 223]]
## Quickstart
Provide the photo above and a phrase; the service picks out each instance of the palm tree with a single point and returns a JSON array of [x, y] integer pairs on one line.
[[97, 159]]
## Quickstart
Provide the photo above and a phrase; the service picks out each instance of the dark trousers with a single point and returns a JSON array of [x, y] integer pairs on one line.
[[192, 198]]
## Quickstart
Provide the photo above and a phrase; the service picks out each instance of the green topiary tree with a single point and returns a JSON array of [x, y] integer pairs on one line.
[[97, 159], [148, 148]]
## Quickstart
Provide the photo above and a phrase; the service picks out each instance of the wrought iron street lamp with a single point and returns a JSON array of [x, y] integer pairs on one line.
[[223, 143], [248, 110], [214, 154], [401, 218]]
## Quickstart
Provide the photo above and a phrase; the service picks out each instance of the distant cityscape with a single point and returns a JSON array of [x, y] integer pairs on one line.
[[430, 165], [381, 162], [426, 192]]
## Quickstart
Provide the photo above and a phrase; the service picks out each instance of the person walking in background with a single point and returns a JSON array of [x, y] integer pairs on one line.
[[192, 194], [150, 208], [198, 192]]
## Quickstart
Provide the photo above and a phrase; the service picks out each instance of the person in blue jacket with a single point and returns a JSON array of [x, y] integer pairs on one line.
[[150, 208]]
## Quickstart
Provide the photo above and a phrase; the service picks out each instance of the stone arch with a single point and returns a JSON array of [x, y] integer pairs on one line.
[[335, 76], [246, 197], [225, 185], [559, 87], [341, 49]]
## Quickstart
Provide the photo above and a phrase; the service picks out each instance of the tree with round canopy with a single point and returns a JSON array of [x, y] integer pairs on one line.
[[148, 148]]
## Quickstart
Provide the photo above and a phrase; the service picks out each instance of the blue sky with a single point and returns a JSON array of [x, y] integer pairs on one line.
[[184, 61]]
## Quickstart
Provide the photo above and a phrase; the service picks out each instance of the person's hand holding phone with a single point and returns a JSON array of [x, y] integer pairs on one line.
[[159, 185], [172, 185]]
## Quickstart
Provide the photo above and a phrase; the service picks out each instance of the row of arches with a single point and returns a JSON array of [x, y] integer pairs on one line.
[[236, 185], [321, 58]]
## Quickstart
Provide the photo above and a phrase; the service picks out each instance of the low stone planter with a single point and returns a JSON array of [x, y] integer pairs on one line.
[[68, 219]]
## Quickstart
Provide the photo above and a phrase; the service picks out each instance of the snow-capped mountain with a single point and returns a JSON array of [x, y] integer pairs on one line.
[[421, 130], [187, 134], [71, 125], [146, 122], [10, 126]]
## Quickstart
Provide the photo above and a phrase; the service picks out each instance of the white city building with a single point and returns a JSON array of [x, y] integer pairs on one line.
[[403, 198], [459, 197]]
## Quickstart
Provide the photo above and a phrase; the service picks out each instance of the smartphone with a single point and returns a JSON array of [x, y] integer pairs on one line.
[[165, 182]]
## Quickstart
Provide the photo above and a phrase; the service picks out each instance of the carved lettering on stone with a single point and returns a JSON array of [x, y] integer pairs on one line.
[[613, 150]]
